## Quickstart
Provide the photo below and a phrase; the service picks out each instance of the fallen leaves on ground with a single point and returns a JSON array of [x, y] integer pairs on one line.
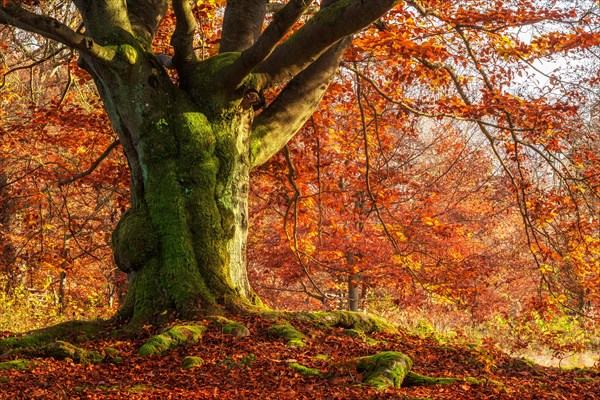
[[256, 367]]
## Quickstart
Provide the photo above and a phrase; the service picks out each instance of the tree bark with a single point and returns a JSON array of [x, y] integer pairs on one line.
[[183, 242], [353, 292]]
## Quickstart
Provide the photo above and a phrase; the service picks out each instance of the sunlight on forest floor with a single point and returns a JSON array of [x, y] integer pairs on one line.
[[455, 328], [586, 359]]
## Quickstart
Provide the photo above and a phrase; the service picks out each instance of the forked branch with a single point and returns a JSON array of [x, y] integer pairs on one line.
[[328, 26], [282, 22]]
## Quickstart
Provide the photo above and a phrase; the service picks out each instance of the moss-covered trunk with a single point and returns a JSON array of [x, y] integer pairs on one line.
[[183, 244], [183, 241]]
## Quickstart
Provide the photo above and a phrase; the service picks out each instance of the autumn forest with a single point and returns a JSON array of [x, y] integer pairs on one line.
[[296, 199]]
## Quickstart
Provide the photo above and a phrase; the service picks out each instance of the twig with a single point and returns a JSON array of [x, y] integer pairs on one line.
[[92, 167]]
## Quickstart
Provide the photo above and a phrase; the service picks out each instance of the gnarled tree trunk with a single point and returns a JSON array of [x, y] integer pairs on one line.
[[183, 241]]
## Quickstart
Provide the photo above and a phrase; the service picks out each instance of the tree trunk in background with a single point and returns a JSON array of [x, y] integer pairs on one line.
[[62, 278], [353, 282], [353, 292], [7, 250]]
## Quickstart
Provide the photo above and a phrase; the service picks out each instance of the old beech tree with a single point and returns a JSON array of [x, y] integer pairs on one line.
[[191, 144]]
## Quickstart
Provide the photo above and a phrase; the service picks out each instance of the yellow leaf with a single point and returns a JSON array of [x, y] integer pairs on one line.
[[397, 258], [545, 268]]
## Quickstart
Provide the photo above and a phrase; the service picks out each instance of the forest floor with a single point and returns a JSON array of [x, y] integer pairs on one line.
[[257, 366]]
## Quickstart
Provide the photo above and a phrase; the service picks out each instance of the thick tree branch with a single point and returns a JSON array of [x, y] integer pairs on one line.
[[332, 23], [145, 16], [12, 14], [282, 22], [183, 37], [279, 122], [275, 7], [107, 22], [242, 24]]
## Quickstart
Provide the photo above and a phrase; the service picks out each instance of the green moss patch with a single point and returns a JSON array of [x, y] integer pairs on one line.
[[385, 369], [140, 389], [347, 319], [523, 363], [447, 348], [190, 362], [33, 341], [475, 381], [61, 350], [230, 327], [15, 364], [76, 331], [178, 335], [134, 241], [483, 382], [303, 370], [588, 371], [287, 332], [272, 315], [322, 357], [112, 356]]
